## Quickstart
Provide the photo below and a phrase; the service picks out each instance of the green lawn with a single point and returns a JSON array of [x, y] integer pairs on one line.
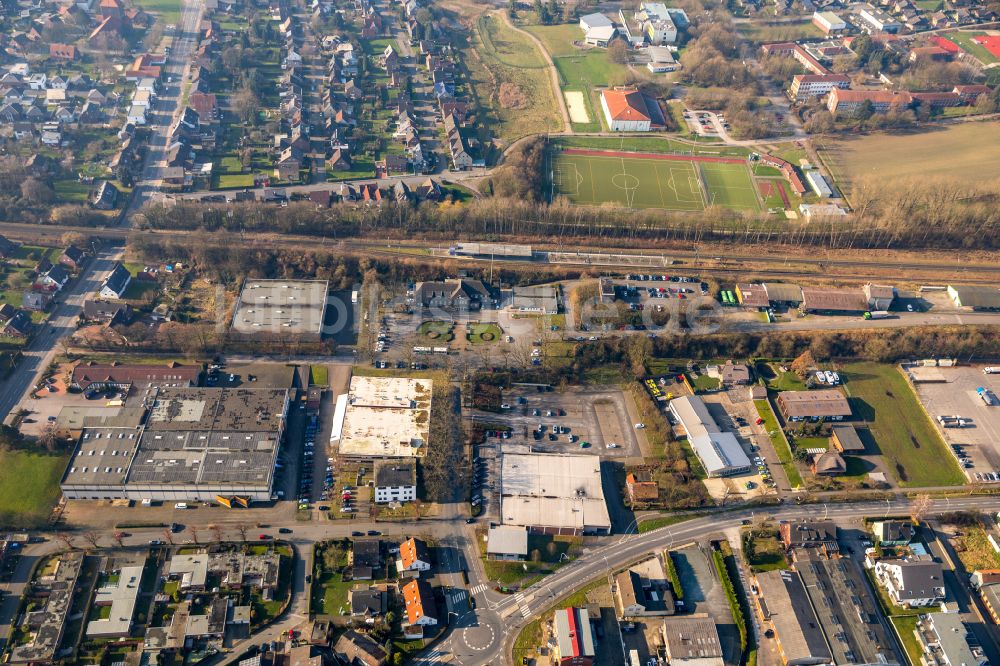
[[676, 183], [704, 383], [558, 39], [911, 445], [437, 331], [169, 10], [71, 190], [778, 440], [319, 375], [29, 487], [232, 181], [591, 69], [491, 331], [905, 626]]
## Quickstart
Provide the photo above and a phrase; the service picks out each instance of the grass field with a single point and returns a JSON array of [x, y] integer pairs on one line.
[[652, 183], [510, 76], [558, 39], [169, 10], [964, 40], [911, 445], [958, 150], [29, 487]]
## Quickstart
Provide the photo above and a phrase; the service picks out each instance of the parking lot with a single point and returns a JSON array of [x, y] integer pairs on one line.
[[735, 412], [586, 420], [979, 440]]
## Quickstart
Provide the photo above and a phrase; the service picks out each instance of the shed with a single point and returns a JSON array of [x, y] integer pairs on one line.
[[846, 440], [783, 292]]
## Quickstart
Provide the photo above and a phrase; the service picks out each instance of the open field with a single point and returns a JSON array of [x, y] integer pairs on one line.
[[510, 76], [965, 41], [780, 32], [636, 180], [590, 69], [558, 39], [168, 10], [29, 487], [958, 151], [908, 441]]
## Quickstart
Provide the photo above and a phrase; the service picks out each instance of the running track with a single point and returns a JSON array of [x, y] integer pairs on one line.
[[653, 156]]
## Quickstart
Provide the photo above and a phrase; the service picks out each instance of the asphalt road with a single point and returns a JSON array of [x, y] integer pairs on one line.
[[15, 389], [167, 106]]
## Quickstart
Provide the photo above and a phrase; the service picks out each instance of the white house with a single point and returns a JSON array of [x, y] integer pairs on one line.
[[911, 584], [395, 481], [413, 556], [136, 115], [598, 29], [116, 283]]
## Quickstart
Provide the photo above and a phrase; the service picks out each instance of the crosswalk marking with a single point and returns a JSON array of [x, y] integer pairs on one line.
[[525, 611], [478, 589]]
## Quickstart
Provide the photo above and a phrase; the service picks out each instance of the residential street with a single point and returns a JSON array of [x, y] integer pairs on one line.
[[14, 390]]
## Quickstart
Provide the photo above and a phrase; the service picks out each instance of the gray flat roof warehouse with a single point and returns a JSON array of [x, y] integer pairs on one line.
[[192, 444]]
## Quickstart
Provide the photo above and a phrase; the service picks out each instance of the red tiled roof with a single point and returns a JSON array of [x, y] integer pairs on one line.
[[628, 105]]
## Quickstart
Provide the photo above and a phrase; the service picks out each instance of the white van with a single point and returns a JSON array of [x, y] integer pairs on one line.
[[147, 502], [181, 505]]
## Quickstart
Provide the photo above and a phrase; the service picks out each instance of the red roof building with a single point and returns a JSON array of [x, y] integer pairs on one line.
[[625, 110]]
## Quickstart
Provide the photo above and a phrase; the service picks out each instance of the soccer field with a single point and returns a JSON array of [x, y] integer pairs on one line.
[[671, 182]]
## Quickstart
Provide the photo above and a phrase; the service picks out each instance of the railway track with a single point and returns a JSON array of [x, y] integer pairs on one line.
[[725, 264]]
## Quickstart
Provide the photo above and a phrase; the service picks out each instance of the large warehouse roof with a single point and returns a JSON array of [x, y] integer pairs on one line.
[[206, 440], [553, 491], [783, 292], [720, 452], [384, 417], [785, 604], [813, 404], [834, 300], [281, 306]]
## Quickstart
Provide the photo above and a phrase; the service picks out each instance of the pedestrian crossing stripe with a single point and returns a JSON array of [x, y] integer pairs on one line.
[[482, 587]]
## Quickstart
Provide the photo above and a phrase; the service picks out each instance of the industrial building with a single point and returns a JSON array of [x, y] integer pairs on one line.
[[720, 452], [542, 299], [829, 404], [829, 22], [383, 417], [847, 611], [507, 542], [818, 183], [100, 376], [553, 493], [783, 293], [574, 637], [193, 444], [283, 307], [692, 640], [833, 301], [975, 297], [783, 604]]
